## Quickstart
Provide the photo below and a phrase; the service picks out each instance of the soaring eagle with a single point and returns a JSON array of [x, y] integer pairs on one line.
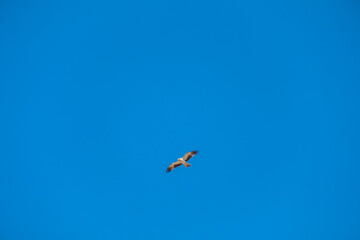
[[182, 160]]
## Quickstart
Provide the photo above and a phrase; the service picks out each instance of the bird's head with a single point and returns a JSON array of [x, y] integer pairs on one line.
[[180, 159]]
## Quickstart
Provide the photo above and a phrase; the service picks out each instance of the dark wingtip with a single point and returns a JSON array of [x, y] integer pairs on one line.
[[196, 151]]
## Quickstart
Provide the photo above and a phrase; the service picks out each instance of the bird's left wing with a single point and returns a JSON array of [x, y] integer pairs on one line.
[[189, 155]]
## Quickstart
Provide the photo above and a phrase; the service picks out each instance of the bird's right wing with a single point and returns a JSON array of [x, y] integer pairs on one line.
[[173, 165]]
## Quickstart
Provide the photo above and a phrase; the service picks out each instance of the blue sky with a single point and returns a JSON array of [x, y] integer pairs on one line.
[[97, 98]]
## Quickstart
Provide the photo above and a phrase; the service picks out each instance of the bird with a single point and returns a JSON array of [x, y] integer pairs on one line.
[[182, 160]]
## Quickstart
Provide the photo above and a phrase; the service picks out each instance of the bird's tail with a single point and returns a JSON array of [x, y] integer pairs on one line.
[[187, 164]]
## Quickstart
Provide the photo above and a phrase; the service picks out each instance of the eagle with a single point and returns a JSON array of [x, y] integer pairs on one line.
[[182, 160]]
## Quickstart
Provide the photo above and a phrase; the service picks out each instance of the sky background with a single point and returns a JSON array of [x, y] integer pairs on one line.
[[97, 98]]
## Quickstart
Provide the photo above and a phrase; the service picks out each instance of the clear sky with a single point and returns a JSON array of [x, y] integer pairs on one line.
[[97, 98]]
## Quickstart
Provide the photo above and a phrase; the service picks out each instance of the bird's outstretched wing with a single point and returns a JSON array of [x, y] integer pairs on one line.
[[173, 165], [189, 155]]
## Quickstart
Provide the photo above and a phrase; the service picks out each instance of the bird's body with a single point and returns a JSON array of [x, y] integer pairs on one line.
[[182, 161]]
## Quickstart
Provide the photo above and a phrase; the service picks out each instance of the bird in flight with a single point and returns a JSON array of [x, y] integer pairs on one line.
[[182, 160]]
